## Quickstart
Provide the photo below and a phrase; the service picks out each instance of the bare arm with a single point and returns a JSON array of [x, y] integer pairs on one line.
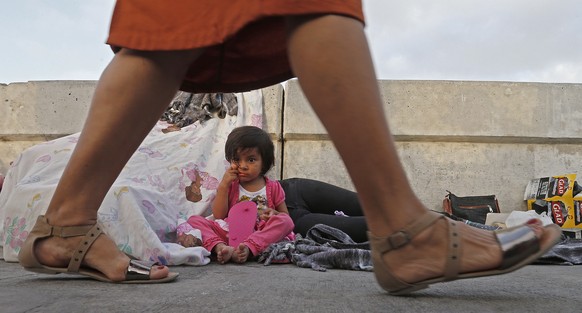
[[220, 203], [282, 208]]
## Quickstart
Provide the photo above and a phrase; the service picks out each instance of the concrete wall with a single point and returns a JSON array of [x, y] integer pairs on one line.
[[467, 137], [472, 138], [38, 111]]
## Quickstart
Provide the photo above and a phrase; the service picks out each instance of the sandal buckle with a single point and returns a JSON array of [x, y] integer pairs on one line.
[[56, 231], [399, 239]]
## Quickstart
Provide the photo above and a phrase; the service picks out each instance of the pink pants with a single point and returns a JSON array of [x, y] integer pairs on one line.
[[275, 229]]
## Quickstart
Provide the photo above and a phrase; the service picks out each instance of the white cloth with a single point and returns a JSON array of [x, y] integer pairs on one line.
[[142, 209]]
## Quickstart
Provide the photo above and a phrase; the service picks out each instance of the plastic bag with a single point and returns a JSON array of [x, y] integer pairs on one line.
[[517, 218]]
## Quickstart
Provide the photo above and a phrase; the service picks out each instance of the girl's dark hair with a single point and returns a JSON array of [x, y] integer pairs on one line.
[[248, 137]]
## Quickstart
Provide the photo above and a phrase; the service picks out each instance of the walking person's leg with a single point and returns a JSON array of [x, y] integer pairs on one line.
[[331, 58], [131, 94]]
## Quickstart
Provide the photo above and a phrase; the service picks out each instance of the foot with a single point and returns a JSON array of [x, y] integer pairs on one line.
[[223, 253], [241, 254], [103, 256], [424, 258]]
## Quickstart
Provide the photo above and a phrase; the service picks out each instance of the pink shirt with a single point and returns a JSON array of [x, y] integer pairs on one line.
[[274, 191]]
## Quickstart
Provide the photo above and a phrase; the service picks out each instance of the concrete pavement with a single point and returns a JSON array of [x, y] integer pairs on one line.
[[254, 287]]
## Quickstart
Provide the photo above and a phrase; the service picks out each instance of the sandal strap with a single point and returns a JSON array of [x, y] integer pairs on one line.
[[70, 231], [453, 262], [403, 237], [139, 269], [43, 229], [516, 242], [86, 242]]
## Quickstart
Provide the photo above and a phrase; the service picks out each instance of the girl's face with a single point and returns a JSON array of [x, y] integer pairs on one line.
[[249, 164]]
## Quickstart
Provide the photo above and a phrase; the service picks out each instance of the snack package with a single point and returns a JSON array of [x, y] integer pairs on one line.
[[555, 196], [578, 210]]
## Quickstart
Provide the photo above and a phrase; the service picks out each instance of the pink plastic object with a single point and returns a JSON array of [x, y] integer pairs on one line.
[[241, 219]]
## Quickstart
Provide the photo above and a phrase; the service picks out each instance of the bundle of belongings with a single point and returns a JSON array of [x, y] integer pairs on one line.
[[471, 210], [323, 247], [556, 199], [559, 198], [187, 108]]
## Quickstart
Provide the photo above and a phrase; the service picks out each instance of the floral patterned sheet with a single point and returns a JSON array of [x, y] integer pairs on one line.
[[147, 201]]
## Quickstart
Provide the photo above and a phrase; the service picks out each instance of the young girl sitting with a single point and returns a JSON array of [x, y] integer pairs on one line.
[[250, 152]]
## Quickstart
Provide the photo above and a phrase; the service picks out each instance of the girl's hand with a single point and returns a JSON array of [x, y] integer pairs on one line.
[[266, 214], [230, 175]]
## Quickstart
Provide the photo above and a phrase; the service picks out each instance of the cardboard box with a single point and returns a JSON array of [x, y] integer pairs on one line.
[[554, 196], [575, 233], [496, 219]]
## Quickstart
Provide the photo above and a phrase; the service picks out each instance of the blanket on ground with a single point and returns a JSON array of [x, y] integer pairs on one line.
[[566, 252], [323, 247], [327, 247], [146, 202]]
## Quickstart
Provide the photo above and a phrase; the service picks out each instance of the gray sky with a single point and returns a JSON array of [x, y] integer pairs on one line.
[[498, 40]]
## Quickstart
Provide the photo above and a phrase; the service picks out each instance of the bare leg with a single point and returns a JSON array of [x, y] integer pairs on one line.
[[136, 87], [331, 58]]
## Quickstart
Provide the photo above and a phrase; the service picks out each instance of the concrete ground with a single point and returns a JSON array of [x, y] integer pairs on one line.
[[254, 287]]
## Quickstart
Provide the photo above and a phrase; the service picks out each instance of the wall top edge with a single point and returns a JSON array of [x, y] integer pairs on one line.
[[460, 82], [294, 81]]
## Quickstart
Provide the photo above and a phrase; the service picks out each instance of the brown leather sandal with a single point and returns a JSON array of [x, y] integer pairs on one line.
[[519, 246], [137, 271]]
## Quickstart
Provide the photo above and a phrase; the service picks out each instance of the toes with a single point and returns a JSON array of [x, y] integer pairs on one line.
[[242, 253], [224, 254], [537, 226], [159, 272]]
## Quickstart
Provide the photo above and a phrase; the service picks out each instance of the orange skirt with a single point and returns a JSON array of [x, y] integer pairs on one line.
[[245, 40]]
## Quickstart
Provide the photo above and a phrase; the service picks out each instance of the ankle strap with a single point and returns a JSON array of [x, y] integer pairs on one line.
[[45, 229], [401, 238]]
